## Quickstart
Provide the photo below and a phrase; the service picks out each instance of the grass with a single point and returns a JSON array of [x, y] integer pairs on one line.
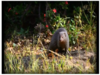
[[31, 60]]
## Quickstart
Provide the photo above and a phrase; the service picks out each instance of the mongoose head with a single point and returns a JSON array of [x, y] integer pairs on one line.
[[62, 37]]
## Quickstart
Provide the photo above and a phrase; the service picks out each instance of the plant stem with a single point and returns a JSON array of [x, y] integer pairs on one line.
[[91, 13]]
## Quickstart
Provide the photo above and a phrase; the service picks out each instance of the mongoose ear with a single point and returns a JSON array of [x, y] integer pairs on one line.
[[65, 33]]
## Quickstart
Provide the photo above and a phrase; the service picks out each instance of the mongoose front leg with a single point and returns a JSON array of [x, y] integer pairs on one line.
[[67, 52]]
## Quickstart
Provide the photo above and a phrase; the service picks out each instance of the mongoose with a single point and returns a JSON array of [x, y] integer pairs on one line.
[[60, 40]]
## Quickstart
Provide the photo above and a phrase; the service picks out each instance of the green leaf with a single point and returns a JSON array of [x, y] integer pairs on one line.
[[73, 42], [53, 32], [14, 45], [64, 22], [72, 21], [76, 16], [59, 65]]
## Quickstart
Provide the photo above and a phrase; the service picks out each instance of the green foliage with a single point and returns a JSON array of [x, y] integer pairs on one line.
[[23, 32], [74, 32], [49, 14], [61, 22], [57, 22], [15, 14], [90, 16], [63, 5]]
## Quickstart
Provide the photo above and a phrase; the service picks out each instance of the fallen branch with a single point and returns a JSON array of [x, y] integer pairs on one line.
[[56, 54]]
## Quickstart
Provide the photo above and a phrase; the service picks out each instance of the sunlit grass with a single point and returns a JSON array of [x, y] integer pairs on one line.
[[26, 61]]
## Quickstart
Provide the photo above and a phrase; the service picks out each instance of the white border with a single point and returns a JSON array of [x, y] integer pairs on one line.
[[50, 0], [0, 39]]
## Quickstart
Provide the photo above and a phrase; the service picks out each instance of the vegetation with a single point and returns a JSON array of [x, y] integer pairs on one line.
[[29, 26]]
